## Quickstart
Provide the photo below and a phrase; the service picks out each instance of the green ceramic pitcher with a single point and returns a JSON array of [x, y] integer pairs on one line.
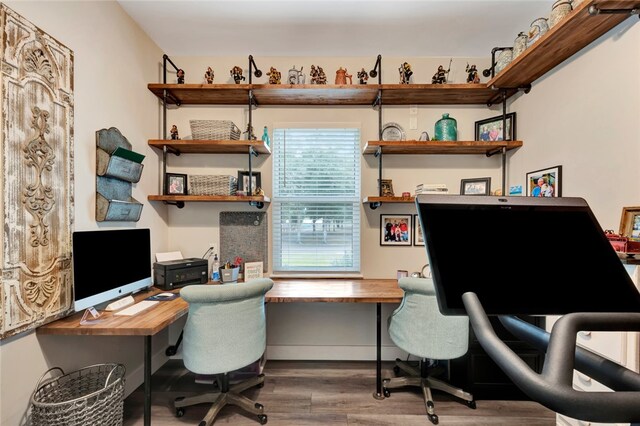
[[446, 129]]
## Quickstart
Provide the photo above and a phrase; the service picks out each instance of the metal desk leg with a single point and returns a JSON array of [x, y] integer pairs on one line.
[[147, 380], [378, 393]]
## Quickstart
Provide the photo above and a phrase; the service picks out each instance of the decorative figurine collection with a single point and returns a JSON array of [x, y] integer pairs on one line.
[[362, 76], [174, 132], [317, 75], [405, 73], [440, 77], [249, 132], [342, 76], [472, 74], [296, 76], [275, 76], [236, 72]]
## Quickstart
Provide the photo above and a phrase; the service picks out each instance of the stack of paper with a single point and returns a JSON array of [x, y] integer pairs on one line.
[[431, 188]]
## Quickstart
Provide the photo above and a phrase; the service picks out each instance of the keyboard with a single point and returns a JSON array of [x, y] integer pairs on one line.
[[137, 308]]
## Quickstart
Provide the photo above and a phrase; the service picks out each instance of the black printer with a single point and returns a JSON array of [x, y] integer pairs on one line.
[[179, 273]]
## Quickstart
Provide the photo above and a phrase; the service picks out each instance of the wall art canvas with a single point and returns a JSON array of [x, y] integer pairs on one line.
[[36, 181]]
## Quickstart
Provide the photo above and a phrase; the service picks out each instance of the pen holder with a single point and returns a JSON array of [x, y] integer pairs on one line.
[[229, 275]]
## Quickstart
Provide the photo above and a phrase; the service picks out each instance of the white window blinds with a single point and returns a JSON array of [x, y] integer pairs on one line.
[[316, 199]]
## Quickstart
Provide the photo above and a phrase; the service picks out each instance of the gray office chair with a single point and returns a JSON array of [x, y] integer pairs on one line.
[[418, 327], [225, 331]]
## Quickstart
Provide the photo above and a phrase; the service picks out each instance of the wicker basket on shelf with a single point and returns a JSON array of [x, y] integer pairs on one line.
[[212, 185], [214, 130]]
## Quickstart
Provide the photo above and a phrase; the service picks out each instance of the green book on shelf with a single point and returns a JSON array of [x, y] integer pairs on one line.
[[129, 155]]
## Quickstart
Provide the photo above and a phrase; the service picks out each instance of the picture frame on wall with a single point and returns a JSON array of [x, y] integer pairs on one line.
[[417, 231], [243, 181], [630, 222], [475, 186], [176, 184], [545, 182], [395, 229], [490, 129]]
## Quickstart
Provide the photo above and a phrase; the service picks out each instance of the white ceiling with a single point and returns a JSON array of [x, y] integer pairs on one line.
[[457, 28]]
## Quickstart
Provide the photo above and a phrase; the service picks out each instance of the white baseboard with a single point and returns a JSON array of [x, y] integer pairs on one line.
[[333, 353]]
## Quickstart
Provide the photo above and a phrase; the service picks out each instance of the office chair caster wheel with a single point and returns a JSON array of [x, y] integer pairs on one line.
[[258, 406], [433, 418], [179, 412], [262, 418], [471, 404], [386, 393]]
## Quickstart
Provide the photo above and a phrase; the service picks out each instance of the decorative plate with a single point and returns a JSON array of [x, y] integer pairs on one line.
[[392, 132]]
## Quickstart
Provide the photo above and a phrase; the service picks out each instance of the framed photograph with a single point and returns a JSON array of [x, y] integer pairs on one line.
[[395, 229], [176, 184], [243, 181], [417, 231], [545, 182], [490, 129], [387, 188], [477, 186], [253, 270], [630, 222]]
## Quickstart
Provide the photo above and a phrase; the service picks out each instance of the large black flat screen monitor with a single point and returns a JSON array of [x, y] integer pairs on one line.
[[109, 264], [522, 256]]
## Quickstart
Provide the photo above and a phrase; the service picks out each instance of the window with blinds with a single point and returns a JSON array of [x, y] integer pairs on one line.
[[316, 199]]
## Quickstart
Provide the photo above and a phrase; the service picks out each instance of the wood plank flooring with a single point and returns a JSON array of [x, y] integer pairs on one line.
[[310, 393]]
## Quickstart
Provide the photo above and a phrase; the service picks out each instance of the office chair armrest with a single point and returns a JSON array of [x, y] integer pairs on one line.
[[418, 285], [553, 387], [225, 292]]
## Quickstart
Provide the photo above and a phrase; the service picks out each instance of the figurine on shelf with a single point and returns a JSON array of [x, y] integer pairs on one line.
[[249, 132], [208, 76], [296, 76], [472, 74], [322, 77], [174, 132], [258, 191], [313, 74], [362, 76], [180, 75], [440, 77], [405, 73], [236, 72], [275, 76]]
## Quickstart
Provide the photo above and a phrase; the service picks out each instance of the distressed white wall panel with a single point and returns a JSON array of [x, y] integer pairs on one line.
[[36, 175]]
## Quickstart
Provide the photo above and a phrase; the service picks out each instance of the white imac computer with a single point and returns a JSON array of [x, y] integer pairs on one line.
[[109, 264]]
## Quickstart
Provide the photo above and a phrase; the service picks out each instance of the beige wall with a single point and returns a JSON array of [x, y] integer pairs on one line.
[[584, 116], [114, 61]]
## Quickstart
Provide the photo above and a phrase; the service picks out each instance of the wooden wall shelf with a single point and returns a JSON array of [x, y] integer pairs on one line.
[[210, 198], [438, 147], [569, 36], [366, 200], [356, 94], [186, 146]]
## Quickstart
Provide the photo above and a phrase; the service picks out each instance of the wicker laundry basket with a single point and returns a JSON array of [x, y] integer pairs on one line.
[[212, 185], [93, 395], [214, 130]]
